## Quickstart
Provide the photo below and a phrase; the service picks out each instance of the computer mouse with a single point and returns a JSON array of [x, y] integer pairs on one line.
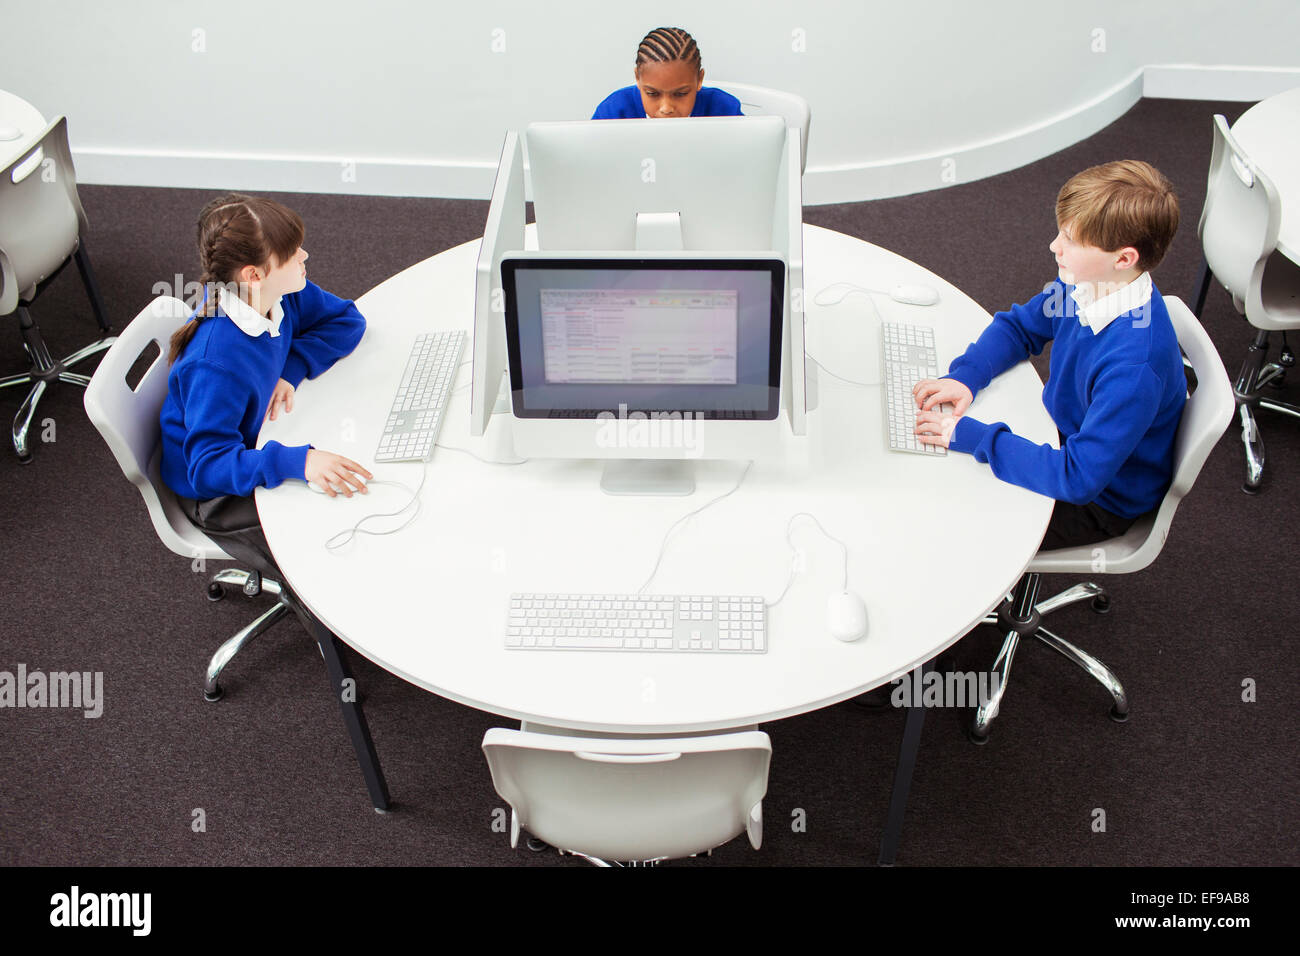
[[320, 491], [846, 616], [9, 133], [914, 294]]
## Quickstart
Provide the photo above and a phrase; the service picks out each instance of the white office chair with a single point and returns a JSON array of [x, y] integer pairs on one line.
[[761, 101], [128, 420], [42, 227], [1238, 231], [1205, 418], [630, 799]]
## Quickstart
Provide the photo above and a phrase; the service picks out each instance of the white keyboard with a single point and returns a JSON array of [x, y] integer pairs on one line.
[[637, 622], [907, 356], [416, 415]]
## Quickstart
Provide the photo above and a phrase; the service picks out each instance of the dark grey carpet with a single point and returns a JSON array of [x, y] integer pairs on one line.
[[1195, 777]]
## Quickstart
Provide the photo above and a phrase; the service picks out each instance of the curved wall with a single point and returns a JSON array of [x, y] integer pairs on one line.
[[396, 98]]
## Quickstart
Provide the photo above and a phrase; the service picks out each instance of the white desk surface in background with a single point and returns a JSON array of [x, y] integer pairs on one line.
[[1269, 132], [933, 543]]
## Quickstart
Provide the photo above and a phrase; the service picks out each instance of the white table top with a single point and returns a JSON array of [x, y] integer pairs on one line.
[[1269, 132], [17, 113], [934, 543]]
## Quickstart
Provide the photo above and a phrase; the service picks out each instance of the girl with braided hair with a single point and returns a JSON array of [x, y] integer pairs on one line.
[[669, 83], [260, 329]]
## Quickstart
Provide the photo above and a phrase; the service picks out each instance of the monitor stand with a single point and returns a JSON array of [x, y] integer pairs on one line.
[[648, 476], [659, 232]]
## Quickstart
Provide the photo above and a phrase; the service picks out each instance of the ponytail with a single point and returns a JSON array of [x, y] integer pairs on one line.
[[203, 308]]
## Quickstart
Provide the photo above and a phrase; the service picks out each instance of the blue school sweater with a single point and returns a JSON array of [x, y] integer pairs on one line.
[[219, 389], [1116, 397], [626, 104]]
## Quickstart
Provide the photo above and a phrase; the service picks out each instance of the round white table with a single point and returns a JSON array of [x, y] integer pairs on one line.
[[20, 125], [1269, 132], [934, 543]]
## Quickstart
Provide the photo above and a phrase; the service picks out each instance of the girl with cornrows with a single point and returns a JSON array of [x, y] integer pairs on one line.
[[260, 329], [669, 83]]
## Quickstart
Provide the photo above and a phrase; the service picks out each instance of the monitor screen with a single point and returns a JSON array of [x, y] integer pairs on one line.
[[587, 336]]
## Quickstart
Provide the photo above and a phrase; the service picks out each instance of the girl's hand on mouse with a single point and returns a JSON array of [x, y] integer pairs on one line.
[[944, 391], [282, 397], [331, 471]]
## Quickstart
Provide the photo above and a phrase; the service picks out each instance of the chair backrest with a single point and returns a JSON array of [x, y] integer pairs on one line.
[[632, 799], [761, 101], [1239, 221], [1206, 416], [41, 218], [128, 420]]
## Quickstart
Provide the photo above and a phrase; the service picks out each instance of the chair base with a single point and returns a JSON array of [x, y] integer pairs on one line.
[[212, 690], [1020, 615], [1255, 374], [44, 372], [538, 845], [597, 861]]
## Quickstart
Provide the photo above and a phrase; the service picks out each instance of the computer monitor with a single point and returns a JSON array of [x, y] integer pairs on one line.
[[650, 360], [707, 184], [503, 232], [723, 185]]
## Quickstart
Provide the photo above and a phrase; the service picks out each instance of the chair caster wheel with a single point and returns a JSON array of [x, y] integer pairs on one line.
[[381, 812], [1101, 604], [215, 695], [215, 591], [978, 740], [1250, 489], [25, 459], [536, 845], [1116, 716]]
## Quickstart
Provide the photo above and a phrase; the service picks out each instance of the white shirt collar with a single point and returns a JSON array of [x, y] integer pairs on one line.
[[1099, 313], [246, 318]]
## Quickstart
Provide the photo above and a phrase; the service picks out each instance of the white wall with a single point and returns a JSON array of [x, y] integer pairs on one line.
[[264, 94]]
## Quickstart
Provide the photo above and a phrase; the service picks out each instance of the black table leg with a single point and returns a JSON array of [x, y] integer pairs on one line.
[[907, 752], [92, 287], [1202, 288], [353, 716]]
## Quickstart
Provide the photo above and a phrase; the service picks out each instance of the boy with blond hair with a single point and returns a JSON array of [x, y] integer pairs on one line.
[[1116, 388]]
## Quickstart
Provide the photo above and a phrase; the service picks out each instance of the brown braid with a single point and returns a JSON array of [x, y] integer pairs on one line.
[[667, 44], [235, 231]]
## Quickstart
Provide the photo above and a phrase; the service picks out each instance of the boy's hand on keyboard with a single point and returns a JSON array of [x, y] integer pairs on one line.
[[935, 427], [281, 398], [330, 471], [944, 391]]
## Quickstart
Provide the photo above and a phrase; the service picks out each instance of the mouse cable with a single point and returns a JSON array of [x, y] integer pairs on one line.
[[821, 298], [851, 381], [686, 517], [794, 565], [332, 543], [486, 461]]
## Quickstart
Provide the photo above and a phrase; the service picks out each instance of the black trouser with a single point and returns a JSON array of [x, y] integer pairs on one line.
[[1075, 525], [231, 521]]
